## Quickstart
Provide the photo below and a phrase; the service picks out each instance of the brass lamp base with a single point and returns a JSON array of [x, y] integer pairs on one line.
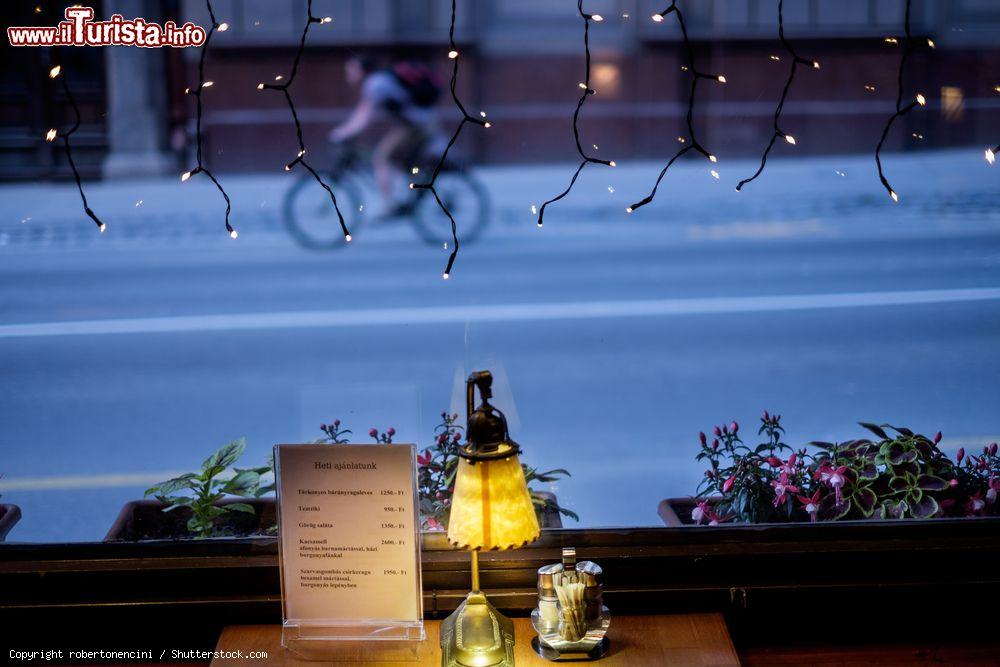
[[477, 635]]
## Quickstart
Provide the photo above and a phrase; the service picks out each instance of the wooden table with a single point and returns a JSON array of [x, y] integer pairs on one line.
[[688, 639]]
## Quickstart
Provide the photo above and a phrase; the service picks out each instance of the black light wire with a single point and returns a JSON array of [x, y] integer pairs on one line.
[[466, 118], [696, 76], [778, 132], [909, 46], [284, 88], [197, 92], [587, 92]]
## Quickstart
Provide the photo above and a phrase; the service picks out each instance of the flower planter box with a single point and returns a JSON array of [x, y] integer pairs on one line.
[[9, 515], [676, 512], [145, 520]]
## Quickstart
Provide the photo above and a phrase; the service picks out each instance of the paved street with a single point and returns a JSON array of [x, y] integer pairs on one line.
[[614, 338]]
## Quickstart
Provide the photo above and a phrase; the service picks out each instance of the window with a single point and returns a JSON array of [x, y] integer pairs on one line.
[[614, 338]]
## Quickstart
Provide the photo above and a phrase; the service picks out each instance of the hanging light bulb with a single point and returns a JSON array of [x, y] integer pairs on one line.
[[712, 158], [658, 18], [233, 234], [54, 72], [51, 135], [990, 156], [453, 54], [721, 79], [790, 139], [223, 27], [921, 100], [185, 176], [597, 17]]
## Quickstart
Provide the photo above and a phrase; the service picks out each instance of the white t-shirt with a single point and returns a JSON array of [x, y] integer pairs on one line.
[[389, 95]]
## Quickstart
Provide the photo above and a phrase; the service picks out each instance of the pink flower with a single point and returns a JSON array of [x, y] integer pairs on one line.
[[703, 438], [728, 484], [782, 488], [715, 443], [373, 432], [336, 423], [700, 511], [960, 455], [765, 416], [993, 449], [833, 476], [774, 461], [424, 459], [432, 524], [717, 431], [810, 504], [734, 427], [937, 437], [714, 519], [391, 431], [974, 505]]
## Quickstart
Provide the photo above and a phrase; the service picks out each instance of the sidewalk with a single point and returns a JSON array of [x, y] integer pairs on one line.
[[939, 191]]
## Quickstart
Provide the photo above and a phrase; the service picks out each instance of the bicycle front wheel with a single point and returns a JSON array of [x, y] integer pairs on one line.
[[468, 202], [311, 218]]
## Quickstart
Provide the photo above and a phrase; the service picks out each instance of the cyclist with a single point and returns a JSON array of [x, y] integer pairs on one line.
[[404, 96]]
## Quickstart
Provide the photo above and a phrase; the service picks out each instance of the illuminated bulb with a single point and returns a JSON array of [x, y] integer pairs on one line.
[[50, 135], [582, 85], [233, 234], [187, 91], [445, 276], [288, 167], [260, 86], [612, 164], [415, 170], [347, 238], [715, 174], [413, 186], [628, 210], [487, 125], [930, 42], [534, 210], [790, 139], [921, 100], [101, 226], [482, 114], [712, 158], [327, 19], [681, 139], [208, 84], [539, 224], [996, 89], [815, 64], [302, 152], [721, 78], [223, 27], [186, 175], [453, 54], [279, 77], [597, 17], [54, 72], [657, 18], [775, 58], [990, 156], [895, 197], [891, 40]]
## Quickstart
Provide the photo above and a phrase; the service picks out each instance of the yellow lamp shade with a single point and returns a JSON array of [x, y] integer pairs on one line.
[[491, 507]]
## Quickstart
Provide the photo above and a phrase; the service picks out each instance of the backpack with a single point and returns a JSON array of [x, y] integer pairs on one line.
[[420, 81]]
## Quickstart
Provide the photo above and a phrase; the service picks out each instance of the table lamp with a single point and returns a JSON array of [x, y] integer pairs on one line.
[[490, 509]]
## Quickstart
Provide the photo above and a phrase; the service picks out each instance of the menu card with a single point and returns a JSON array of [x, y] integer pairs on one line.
[[348, 528]]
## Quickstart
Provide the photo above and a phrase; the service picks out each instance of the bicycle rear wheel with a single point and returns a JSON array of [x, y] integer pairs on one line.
[[468, 202], [310, 217]]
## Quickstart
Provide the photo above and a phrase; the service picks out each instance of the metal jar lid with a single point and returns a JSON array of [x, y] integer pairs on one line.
[[590, 573], [546, 583]]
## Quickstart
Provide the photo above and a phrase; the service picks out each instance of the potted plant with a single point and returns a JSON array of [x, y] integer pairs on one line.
[[898, 474], [9, 515], [202, 504]]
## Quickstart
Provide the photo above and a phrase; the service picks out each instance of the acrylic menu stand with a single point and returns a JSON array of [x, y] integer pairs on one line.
[[323, 626]]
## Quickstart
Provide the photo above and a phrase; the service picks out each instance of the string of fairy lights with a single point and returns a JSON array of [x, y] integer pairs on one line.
[[909, 46], [198, 91], [300, 158], [691, 143], [778, 132], [56, 72], [587, 92], [453, 54]]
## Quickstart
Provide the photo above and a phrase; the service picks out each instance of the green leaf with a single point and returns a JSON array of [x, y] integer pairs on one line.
[[865, 500], [225, 456], [868, 471], [932, 483], [891, 509], [240, 507], [874, 429], [244, 483], [172, 485], [926, 508], [899, 484]]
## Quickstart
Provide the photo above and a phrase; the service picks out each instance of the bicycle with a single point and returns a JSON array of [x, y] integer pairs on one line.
[[312, 221]]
